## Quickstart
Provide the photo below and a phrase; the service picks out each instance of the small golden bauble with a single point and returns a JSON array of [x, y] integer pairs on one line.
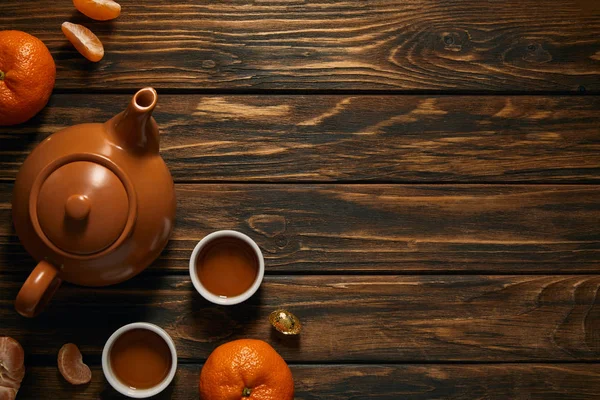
[[285, 322]]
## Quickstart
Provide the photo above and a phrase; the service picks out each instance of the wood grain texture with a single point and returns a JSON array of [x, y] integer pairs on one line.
[[345, 318], [521, 45], [349, 138], [380, 228], [344, 382]]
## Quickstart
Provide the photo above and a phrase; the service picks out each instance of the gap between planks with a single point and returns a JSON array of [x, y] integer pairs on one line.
[[330, 92], [291, 274], [580, 182], [39, 360]]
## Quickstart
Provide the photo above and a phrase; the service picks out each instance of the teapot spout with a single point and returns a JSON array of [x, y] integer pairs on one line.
[[134, 128]]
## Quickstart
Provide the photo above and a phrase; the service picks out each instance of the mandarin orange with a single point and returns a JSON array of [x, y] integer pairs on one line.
[[246, 369], [27, 74]]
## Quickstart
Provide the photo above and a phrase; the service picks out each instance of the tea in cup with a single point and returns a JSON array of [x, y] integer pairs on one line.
[[227, 267], [139, 360]]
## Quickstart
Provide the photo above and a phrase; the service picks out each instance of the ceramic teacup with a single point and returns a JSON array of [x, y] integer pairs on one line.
[[111, 375], [232, 236]]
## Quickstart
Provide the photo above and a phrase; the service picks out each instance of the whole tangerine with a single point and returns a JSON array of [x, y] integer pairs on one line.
[[27, 74], [246, 369]]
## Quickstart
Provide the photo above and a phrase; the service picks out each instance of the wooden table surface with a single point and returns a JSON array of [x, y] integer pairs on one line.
[[423, 177]]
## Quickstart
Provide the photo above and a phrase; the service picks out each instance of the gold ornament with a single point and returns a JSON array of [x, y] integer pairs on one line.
[[285, 322]]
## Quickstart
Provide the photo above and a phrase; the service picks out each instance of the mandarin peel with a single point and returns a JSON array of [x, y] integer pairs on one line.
[[246, 369], [32, 73]]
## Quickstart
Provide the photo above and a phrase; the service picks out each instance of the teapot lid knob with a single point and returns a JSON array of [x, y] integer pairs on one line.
[[77, 206], [82, 205]]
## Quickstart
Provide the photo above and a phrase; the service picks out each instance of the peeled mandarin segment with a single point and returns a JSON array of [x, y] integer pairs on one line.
[[71, 366], [101, 10], [7, 393], [12, 369], [84, 41], [11, 354]]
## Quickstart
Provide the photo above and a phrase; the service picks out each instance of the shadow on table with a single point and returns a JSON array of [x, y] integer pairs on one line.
[[289, 341], [17, 141], [213, 323], [13, 257], [108, 393]]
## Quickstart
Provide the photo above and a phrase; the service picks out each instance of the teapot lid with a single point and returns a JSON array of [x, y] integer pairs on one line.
[[82, 207]]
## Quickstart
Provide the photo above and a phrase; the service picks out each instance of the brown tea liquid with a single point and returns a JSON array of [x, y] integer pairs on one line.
[[140, 359], [227, 267]]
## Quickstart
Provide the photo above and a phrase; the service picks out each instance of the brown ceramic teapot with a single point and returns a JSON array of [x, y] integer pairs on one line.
[[94, 204]]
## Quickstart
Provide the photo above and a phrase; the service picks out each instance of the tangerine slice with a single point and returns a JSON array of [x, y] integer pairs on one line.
[[71, 366], [7, 393], [12, 369], [101, 10], [11, 354], [84, 41]]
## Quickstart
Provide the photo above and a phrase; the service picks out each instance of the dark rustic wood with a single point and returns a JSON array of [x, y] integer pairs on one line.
[[381, 228], [343, 382], [351, 319], [287, 44], [400, 228], [435, 246], [350, 138]]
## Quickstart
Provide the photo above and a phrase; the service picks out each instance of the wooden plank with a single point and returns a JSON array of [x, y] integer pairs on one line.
[[350, 138], [366, 382], [520, 45], [381, 228], [346, 318]]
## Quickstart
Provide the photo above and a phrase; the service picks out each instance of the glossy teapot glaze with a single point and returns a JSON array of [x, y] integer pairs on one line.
[[94, 204]]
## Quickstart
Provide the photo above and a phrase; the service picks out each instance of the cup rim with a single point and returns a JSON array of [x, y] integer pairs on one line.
[[229, 300], [126, 390]]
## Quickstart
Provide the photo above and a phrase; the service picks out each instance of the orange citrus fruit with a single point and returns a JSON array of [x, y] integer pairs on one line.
[[101, 10], [71, 366], [246, 369], [84, 41], [27, 74]]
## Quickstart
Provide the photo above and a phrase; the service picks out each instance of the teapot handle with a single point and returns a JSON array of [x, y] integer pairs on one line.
[[38, 289]]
